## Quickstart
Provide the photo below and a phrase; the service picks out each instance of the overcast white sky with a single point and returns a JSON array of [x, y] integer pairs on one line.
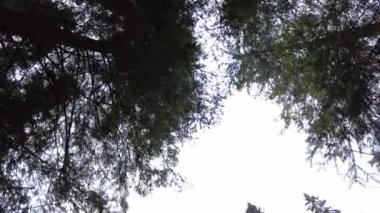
[[245, 159]]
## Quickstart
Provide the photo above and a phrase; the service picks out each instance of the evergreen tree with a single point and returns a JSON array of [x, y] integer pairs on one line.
[[313, 204], [96, 98], [252, 209], [320, 61]]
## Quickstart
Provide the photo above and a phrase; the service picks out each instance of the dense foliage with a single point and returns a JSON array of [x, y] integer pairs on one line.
[[320, 61], [96, 97]]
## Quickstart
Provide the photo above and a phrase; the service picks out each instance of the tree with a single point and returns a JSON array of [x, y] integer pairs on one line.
[[96, 98], [320, 61], [313, 204], [252, 209]]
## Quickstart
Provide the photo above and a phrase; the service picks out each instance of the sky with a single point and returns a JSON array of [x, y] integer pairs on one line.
[[246, 159]]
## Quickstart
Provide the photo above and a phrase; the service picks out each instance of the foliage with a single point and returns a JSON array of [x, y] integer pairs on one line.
[[315, 205], [96, 98], [253, 209], [320, 61]]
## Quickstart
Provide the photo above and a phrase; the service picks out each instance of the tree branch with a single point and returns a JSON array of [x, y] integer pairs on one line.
[[43, 30]]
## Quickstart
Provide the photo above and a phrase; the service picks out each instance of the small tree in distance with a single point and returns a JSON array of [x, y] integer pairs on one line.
[[313, 204], [253, 209]]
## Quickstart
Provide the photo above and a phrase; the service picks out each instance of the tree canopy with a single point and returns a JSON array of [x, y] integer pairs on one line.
[[320, 61], [96, 97]]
